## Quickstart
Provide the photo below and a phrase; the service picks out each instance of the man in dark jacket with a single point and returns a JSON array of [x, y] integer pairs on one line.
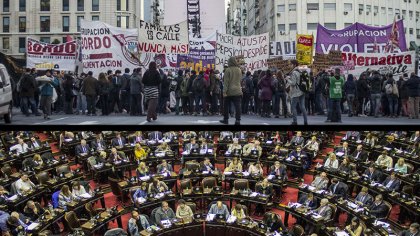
[[338, 188], [125, 90], [232, 91], [199, 89], [27, 93], [178, 94], [90, 88], [378, 208], [413, 85], [136, 89], [362, 89], [375, 83], [279, 84], [248, 91], [350, 92], [164, 92], [190, 90], [117, 82]]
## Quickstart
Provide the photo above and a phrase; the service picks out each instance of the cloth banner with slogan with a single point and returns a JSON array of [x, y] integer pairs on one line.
[[201, 55], [305, 45], [163, 39], [105, 47], [386, 63], [254, 49], [285, 49], [45, 56]]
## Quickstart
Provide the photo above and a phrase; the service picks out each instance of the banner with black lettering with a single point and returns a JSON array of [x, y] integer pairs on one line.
[[254, 49], [285, 49], [45, 56], [105, 47], [163, 39], [201, 55]]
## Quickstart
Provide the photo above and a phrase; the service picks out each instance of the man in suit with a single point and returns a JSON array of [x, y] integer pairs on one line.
[[297, 154], [392, 183], [155, 135], [206, 165], [98, 144], [414, 230], [82, 150], [137, 137], [359, 154], [308, 200], [241, 135], [251, 148], [378, 208], [352, 135], [415, 137], [20, 147], [297, 140], [324, 210], [278, 170], [344, 149], [35, 143], [170, 135], [219, 208], [320, 182], [116, 156], [364, 198], [118, 141], [300, 155], [372, 174], [338, 188], [164, 167], [191, 145], [205, 146]]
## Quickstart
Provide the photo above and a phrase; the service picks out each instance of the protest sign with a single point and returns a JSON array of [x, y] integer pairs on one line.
[[358, 38], [278, 63], [106, 47], [305, 45], [326, 61], [201, 56], [44, 56], [285, 49], [163, 39], [255, 50]]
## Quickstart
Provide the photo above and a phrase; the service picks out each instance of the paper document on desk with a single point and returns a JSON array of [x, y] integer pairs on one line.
[[270, 177], [381, 223], [359, 209], [166, 223], [12, 198], [85, 195], [227, 153], [205, 172], [254, 194], [210, 151], [311, 188], [339, 154], [228, 173], [351, 205], [210, 217], [231, 219], [145, 178], [316, 216], [289, 159], [32, 226], [320, 191], [387, 148], [203, 151], [185, 153], [269, 142], [341, 233], [245, 173], [98, 166], [141, 200], [295, 204]]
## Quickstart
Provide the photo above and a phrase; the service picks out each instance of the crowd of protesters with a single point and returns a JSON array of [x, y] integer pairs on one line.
[[210, 92]]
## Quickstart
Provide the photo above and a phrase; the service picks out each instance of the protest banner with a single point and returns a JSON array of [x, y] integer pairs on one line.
[[201, 56], [304, 48], [358, 38], [163, 39], [386, 63], [45, 56], [254, 48], [327, 61], [278, 63], [285, 49], [106, 47]]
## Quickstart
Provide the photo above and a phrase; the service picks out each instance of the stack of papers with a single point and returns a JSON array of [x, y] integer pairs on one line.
[[86, 195], [32, 226], [210, 217], [245, 173], [231, 219], [141, 200], [166, 223], [341, 233], [311, 188], [145, 178], [351, 205], [316, 216], [269, 142], [290, 158], [339, 154], [205, 172], [270, 177], [254, 194], [12, 198], [228, 173], [185, 153], [210, 151]]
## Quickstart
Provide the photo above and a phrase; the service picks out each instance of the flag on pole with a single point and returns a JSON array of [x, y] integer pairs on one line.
[[69, 38], [393, 38], [375, 46]]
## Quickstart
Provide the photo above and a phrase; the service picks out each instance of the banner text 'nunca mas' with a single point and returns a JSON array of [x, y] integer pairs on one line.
[[254, 49]]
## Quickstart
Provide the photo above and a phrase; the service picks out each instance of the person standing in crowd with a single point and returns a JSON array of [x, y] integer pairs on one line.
[[215, 91], [125, 90], [48, 85], [27, 93], [178, 94], [391, 91], [90, 89], [319, 85], [362, 89], [413, 85], [403, 92], [116, 92], [255, 79], [105, 88], [350, 92], [266, 86], [185, 96], [280, 94], [190, 89], [164, 92], [199, 90], [336, 84], [375, 88], [81, 99], [151, 81], [247, 90], [136, 89], [232, 91], [297, 95], [310, 95], [69, 93]]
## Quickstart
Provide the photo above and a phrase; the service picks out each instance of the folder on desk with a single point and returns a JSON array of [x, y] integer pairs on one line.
[[339, 154], [32, 226], [86, 195], [231, 219], [210, 217], [12, 198], [341, 233]]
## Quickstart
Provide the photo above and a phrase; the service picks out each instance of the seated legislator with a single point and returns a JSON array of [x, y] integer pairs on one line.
[[164, 213], [255, 169], [299, 155], [391, 183], [415, 137], [37, 160], [312, 146], [359, 154], [345, 166], [238, 212], [192, 145], [400, 166], [389, 142], [35, 143], [265, 187], [372, 174], [183, 211], [320, 182], [170, 135], [82, 149], [234, 166], [354, 228], [370, 140], [137, 137], [205, 146], [384, 160], [4, 194], [17, 223], [64, 197], [116, 157], [137, 223], [219, 208], [364, 198], [324, 210], [234, 146], [274, 222], [241, 135], [118, 141], [279, 171], [297, 140], [226, 136], [33, 210], [206, 165], [378, 208], [308, 201], [338, 188], [344, 150], [142, 170], [139, 152], [78, 191], [414, 230], [164, 147], [187, 135], [24, 184], [20, 147], [140, 193], [252, 149], [98, 144], [208, 135], [157, 186], [352, 135], [164, 167], [155, 136], [331, 161]]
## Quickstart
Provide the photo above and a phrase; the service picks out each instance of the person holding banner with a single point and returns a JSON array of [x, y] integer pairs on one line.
[[232, 91], [151, 82], [297, 95]]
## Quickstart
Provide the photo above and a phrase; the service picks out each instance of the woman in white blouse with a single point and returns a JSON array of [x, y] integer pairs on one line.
[[78, 191], [331, 162]]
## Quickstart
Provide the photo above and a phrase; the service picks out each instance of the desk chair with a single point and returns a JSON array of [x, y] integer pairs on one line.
[[73, 222]]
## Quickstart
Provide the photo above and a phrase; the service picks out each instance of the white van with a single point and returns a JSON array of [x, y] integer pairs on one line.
[[6, 105]]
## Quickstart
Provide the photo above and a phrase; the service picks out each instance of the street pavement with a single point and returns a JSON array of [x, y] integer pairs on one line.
[[172, 119]]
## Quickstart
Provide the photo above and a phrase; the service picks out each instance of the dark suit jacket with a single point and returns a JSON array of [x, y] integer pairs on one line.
[[204, 168], [94, 144], [363, 156], [133, 139], [394, 186], [160, 168], [282, 171], [341, 190], [407, 233], [155, 135], [297, 140], [114, 142], [341, 149], [79, 150], [309, 203], [375, 176], [31, 144], [379, 211], [367, 200]]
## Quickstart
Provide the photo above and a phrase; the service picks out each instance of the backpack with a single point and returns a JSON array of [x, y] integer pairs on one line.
[[388, 89], [303, 85]]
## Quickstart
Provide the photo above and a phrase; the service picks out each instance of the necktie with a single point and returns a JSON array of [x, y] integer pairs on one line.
[[99, 145], [156, 136], [36, 144], [277, 171], [358, 153], [120, 141], [363, 198], [84, 149], [389, 183], [22, 147], [335, 187]]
